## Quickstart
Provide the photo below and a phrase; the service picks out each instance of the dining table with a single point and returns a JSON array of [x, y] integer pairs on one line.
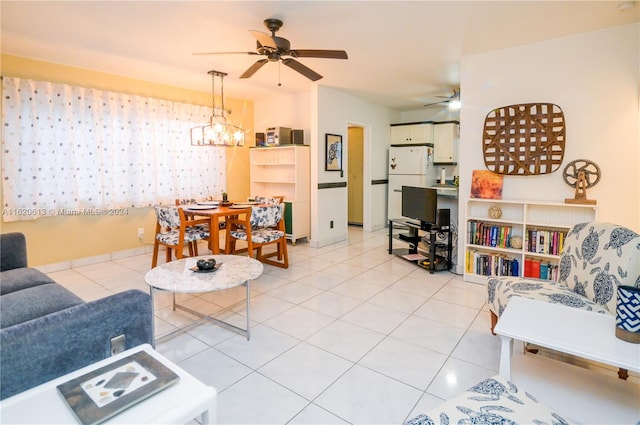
[[215, 213]]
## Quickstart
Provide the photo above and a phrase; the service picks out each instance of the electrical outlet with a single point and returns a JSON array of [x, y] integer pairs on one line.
[[118, 344], [140, 233], [331, 224]]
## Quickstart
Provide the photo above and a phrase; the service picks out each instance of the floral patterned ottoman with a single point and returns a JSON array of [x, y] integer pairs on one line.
[[493, 401]]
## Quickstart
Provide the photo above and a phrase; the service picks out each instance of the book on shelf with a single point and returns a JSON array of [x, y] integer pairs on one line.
[[544, 271], [488, 234], [515, 268], [528, 267], [544, 241], [494, 236], [535, 268], [490, 264]]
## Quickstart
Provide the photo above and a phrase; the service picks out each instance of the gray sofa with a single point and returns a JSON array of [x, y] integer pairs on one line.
[[46, 331]]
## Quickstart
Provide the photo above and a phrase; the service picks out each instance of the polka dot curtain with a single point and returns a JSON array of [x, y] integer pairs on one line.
[[67, 148]]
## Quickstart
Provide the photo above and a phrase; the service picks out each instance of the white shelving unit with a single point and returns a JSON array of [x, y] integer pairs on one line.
[[521, 218], [284, 171]]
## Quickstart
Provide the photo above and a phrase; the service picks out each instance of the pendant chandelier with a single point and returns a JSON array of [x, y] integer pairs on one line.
[[217, 132]]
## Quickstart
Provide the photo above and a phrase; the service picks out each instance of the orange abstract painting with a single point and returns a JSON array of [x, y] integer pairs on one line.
[[486, 185]]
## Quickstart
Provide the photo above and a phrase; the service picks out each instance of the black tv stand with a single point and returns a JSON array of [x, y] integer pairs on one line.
[[436, 256]]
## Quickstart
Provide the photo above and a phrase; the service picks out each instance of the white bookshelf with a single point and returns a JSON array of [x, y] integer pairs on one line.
[[284, 171], [522, 218]]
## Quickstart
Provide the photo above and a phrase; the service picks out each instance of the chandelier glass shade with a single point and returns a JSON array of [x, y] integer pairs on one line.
[[218, 132]]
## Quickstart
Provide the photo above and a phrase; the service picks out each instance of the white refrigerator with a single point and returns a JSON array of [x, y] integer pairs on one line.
[[409, 165]]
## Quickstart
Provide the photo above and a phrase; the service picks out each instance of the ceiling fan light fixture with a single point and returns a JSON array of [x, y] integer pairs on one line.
[[452, 102], [278, 49], [218, 132]]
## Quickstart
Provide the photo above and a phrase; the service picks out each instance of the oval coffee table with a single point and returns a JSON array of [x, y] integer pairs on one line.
[[177, 277]]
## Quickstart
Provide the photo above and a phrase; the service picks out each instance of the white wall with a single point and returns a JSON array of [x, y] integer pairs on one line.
[[285, 111], [595, 78], [326, 110], [429, 114], [335, 110]]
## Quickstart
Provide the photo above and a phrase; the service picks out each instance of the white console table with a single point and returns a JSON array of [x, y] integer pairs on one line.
[[179, 403]]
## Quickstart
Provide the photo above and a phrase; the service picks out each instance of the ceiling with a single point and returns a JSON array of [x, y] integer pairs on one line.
[[401, 54]]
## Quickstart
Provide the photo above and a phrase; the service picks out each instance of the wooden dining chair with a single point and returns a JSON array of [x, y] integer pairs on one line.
[[191, 216], [175, 230], [260, 226]]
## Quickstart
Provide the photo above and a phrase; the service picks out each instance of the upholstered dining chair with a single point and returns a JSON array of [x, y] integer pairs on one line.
[[269, 199], [175, 230], [191, 216], [260, 226]]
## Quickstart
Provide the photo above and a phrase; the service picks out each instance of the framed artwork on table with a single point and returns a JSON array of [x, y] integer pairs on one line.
[[103, 393], [333, 152]]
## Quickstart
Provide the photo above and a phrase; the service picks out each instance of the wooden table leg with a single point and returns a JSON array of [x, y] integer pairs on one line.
[[214, 231]]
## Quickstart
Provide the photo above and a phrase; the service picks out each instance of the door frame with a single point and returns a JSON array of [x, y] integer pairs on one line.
[[366, 177]]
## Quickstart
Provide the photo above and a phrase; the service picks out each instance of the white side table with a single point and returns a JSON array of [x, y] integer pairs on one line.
[[178, 403], [569, 330]]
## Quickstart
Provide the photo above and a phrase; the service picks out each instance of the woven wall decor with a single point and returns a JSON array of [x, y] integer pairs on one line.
[[524, 139]]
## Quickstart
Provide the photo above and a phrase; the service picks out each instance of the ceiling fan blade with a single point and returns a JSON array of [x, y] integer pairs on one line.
[[265, 39], [436, 103], [224, 53], [297, 66], [253, 68], [310, 53]]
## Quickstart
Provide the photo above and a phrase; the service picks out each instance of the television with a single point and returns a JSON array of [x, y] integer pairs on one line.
[[420, 203]]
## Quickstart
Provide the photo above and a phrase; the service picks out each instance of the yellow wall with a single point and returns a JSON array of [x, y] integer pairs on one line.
[[63, 238]]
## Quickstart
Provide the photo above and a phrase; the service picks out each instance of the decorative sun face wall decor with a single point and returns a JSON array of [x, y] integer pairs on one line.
[[524, 139]]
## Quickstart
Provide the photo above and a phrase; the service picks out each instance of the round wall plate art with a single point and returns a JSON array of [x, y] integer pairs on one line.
[[524, 139]]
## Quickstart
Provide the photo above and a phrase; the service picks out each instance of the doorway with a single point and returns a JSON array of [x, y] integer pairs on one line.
[[355, 175]]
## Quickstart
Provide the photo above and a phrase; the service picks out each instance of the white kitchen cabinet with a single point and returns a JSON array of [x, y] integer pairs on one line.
[[284, 171], [445, 142], [402, 134]]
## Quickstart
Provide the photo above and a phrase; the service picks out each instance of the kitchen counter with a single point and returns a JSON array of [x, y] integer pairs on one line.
[[446, 190]]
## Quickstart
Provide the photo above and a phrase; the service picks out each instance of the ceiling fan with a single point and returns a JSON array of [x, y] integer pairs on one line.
[[453, 101], [278, 49]]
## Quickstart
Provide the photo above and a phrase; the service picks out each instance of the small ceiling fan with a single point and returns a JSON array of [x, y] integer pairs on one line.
[[278, 48], [453, 101]]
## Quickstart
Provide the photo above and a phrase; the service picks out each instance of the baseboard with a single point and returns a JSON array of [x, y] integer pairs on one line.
[[87, 261]]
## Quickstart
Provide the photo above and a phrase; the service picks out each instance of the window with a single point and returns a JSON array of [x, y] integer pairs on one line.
[[75, 148]]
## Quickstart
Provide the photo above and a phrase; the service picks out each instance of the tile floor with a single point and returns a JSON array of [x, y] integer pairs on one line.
[[347, 334]]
